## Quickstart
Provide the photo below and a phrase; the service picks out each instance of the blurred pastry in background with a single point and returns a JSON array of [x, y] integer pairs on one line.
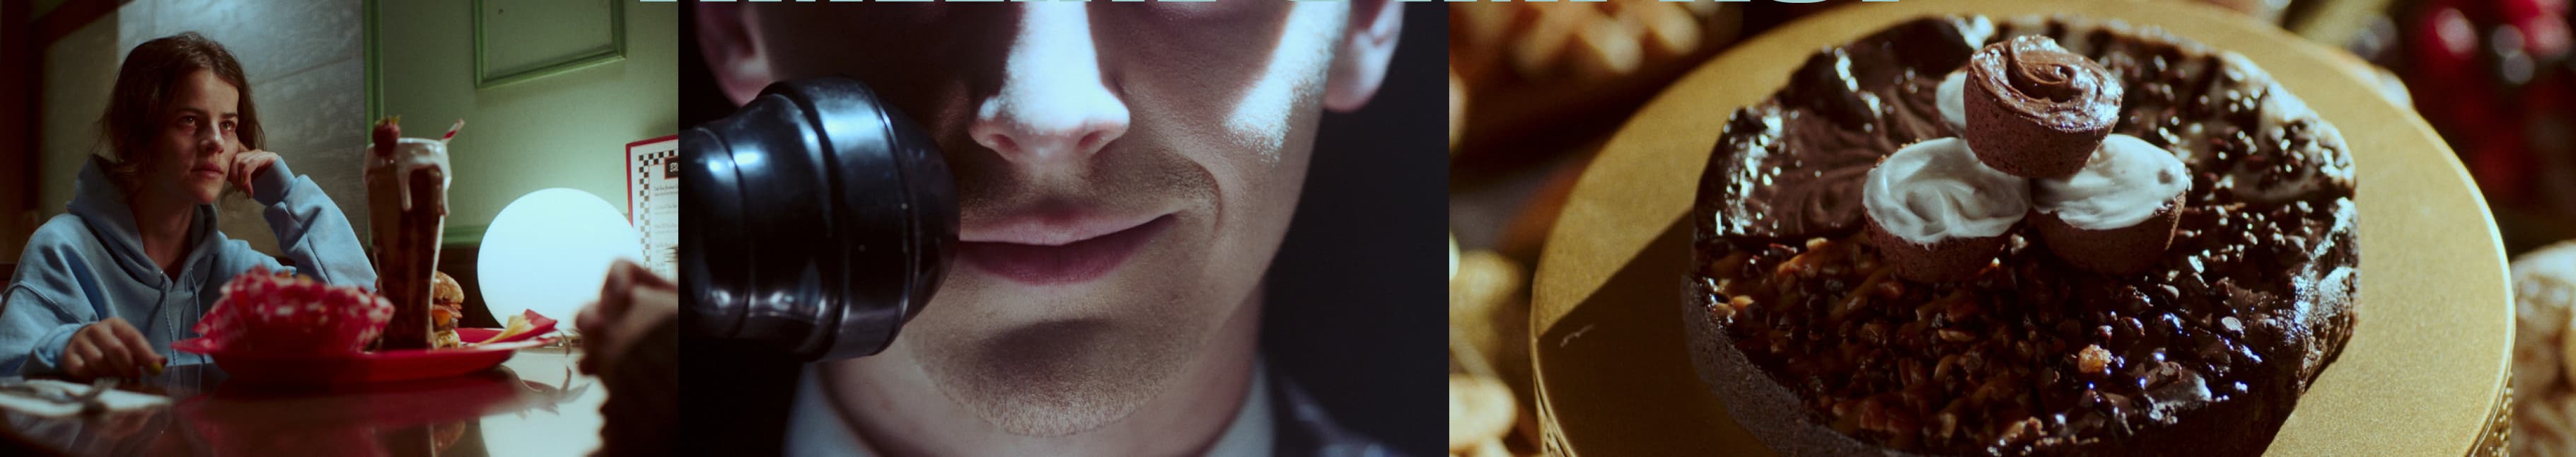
[[1540, 76], [1602, 40], [1457, 109], [2265, 10], [1484, 302], [1489, 355], [2544, 286], [1481, 411]]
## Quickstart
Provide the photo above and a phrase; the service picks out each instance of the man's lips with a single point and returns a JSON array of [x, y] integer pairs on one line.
[[1039, 259]]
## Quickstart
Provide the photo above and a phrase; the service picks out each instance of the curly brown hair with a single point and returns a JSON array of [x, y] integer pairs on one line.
[[145, 85]]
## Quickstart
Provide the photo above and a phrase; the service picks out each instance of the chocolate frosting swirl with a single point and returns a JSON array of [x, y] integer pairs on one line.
[[2034, 78]]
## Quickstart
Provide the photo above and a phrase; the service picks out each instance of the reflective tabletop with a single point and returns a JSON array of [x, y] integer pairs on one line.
[[534, 404]]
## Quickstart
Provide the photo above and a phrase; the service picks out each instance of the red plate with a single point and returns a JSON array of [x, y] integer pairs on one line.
[[366, 367]]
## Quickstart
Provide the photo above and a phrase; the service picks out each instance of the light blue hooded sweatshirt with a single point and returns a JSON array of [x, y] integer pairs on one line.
[[88, 264]]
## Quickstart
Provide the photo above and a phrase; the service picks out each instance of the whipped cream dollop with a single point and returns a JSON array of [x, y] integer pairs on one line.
[[1952, 98], [2122, 184], [1937, 190], [1974, 30]]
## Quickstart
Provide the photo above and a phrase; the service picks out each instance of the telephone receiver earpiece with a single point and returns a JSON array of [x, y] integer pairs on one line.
[[819, 221]]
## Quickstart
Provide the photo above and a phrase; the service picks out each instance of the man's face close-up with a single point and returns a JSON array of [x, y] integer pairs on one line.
[[1125, 176]]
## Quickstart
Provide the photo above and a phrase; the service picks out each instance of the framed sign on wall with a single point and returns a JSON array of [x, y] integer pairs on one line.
[[653, 200]]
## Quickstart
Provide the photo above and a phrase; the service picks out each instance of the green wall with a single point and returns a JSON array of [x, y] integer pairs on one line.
[[565, 130]]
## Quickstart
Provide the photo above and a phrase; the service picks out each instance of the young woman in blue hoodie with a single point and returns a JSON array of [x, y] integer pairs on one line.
[[103, 290]]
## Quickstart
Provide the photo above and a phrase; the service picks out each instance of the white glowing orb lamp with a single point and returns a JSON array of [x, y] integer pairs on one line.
[[549, 251]]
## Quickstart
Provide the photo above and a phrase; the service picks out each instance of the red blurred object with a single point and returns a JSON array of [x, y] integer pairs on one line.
[[2498, 167], [382, 366], [2529, 8], [2491, 75], [2448, 85], [2453, 40], [2544, 37]]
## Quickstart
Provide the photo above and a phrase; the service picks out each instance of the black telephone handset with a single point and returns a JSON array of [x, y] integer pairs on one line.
[[820, 220]]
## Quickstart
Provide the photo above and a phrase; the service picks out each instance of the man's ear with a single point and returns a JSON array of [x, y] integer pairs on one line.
[[1359, 67], [725, 33]]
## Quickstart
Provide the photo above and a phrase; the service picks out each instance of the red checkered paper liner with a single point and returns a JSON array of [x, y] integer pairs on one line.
[[276, 313]]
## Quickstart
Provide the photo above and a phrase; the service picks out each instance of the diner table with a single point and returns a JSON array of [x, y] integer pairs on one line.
[[534, 404]]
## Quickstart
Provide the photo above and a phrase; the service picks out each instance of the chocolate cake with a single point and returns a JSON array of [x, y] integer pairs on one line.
[[1801, 327]]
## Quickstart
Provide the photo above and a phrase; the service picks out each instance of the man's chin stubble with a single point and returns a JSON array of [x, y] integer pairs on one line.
[[1058, 378]]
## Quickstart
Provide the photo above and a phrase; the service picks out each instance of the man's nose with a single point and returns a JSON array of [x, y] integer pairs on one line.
[[1054, 104]]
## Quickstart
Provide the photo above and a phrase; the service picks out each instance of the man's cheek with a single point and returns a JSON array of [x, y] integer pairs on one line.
[[1279, 174], [1281, 97]]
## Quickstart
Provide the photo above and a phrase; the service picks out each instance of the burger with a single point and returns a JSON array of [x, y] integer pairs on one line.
[[446, 305]]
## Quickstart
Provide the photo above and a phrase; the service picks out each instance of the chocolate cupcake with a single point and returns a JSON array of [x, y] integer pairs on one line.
[[1937, 213], [2035, 110], [2117, 214]]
